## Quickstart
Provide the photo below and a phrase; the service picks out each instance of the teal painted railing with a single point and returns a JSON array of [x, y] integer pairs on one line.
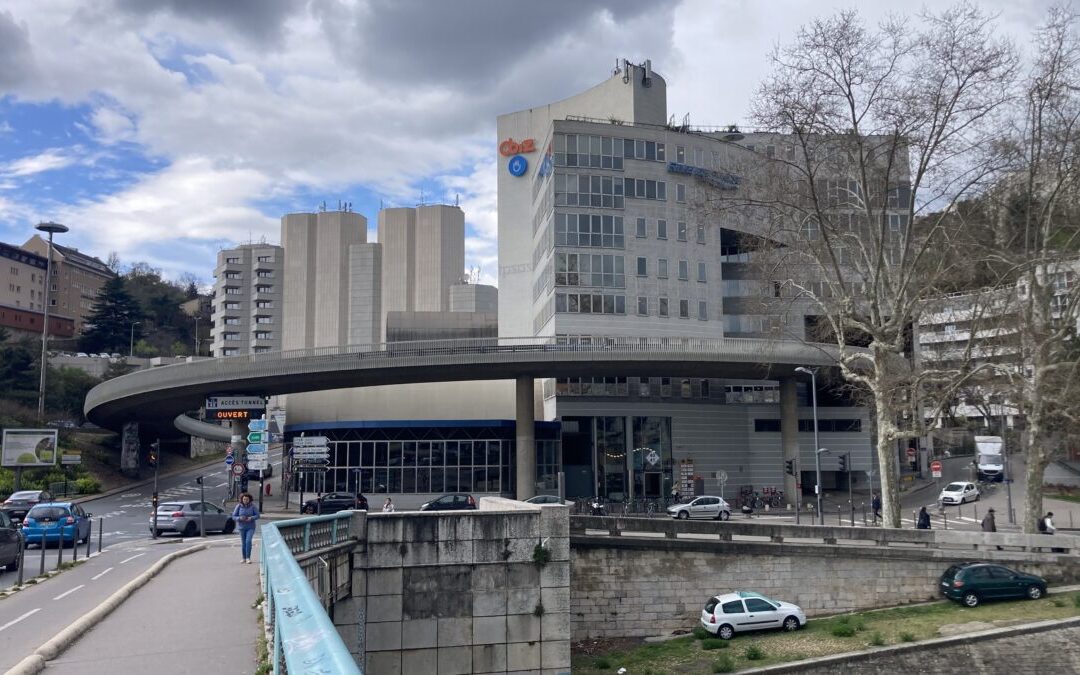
[[304, 638]]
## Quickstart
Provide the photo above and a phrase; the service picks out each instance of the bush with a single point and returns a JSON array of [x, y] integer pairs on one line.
[[724, 664], [843, 630], [877, 639], [602, 663], [714, 643], [1058, 602], [700, 633], [87, 485], [907, 637], [753, 653], [858, 624], [1076, 600]]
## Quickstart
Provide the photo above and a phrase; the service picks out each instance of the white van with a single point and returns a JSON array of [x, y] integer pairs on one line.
[[989, 462]]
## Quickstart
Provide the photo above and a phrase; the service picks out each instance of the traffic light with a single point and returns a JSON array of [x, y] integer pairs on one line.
[[198, 479], [152, 458], [843, 463], [789, 467]]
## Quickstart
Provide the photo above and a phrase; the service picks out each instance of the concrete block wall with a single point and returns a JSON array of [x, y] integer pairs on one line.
[[459, 592], [655, 589]]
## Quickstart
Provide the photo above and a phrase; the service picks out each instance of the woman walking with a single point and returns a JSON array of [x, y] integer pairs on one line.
[[245, 514]]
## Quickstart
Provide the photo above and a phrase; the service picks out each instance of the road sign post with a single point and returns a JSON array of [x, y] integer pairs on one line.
[[202, 507]]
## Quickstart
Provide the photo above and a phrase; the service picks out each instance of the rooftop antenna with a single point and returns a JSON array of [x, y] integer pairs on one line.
[[457, 199], [617, 68], [421, 195]]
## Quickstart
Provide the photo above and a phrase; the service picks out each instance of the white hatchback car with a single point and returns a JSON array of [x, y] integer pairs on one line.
[[959, 493], [701, 507], [725, 615]]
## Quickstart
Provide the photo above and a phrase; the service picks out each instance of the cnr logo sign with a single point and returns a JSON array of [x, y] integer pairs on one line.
[[510, 147]]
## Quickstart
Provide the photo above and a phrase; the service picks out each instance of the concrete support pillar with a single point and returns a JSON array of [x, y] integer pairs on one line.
[[526, 439], [129, 449], [789, 433]]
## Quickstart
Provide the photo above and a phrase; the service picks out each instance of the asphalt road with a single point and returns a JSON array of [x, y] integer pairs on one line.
[[125, 517]]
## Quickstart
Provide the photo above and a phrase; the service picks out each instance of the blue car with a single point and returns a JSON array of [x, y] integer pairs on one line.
[[60, 522]]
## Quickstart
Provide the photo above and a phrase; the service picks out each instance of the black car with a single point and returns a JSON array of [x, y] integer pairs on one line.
[[973, 582], [9, 543], [22, 501], [456, 501], [332, 502]]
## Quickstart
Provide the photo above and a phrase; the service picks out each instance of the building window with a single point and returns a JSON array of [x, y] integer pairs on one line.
[[594, 231], [642, 267], [232, 261], [661, 229], [598, 152], [767, 426], [230, 337], [680, 154], [701, 234], [266, 258], [232, 290], [263, 335], [661, 268], [647, 150], [702, 311], [261, 288], [587, 190], [684, 309], [230, 351], [682, 232], [590, 303], [584, 269], [232, 305], [684, 270], [232, 321], [262, 304], [264, 319], [264, 274], [680, 192], [641, 188], [232, 275], [663, 310], [643, 305], [701, 272], [642, 230]]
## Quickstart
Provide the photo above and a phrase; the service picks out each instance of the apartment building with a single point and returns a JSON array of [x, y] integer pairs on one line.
[[77, 278], [247, 307]]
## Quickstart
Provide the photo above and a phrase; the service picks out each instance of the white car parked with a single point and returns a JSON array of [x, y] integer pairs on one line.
[[725, 615], [702, 507], [959, 493]]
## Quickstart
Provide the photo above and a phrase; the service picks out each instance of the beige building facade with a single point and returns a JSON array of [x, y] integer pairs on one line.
[[77, 278], [247, 304]]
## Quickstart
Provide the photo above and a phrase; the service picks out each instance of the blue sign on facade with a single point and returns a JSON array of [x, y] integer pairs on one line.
[[518, 165]]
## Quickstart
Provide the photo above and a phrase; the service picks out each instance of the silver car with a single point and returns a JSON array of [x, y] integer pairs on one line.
[[702, 507], [183, 517]]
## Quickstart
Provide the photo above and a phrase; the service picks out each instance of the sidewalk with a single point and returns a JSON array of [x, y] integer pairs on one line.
[[196, 616]]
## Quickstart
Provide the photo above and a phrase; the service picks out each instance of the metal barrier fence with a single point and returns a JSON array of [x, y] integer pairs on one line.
[[304, 638]]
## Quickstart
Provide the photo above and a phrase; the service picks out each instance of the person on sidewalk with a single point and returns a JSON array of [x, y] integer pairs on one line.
[[388, 506], [989, 524], [246, 514], [876, 505], [923, 522], [1046, 523]]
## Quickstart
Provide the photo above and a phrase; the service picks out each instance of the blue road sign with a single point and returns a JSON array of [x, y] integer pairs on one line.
[[256, 448], [257, 425], [228, 460]]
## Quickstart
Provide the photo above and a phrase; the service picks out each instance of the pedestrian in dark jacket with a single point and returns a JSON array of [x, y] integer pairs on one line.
[[988, 523], [876, 504], [923, 522]]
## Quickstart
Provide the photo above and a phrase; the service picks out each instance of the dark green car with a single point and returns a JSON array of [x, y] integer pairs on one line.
[[973, 582]]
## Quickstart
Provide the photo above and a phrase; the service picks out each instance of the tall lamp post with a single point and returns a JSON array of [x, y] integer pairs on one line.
[[817, 445], [196, 335], [51, 229], [131, 339]]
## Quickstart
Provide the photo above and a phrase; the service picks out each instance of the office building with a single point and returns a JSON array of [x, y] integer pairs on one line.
[[77, 280], [247, 303]]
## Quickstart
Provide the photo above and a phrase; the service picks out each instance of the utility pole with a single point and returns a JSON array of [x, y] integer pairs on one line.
[[155, 448], [1005, 461], [202, 506]]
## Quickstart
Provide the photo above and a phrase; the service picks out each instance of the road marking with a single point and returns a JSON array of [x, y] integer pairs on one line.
[[95, 578], [131, 558], [11, 623], [222, 484], [67, 593]]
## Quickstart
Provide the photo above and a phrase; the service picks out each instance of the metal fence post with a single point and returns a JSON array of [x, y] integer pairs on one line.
[[89, 538], [60, 549], [22, 557], [945, 518], [42, 571], [75, 544], [100, 529]]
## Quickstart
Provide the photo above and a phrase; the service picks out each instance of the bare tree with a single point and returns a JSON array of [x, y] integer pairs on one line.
[[881, 132], [1035, 247]]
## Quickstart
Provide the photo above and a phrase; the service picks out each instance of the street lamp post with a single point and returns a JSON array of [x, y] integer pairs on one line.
[[196, 335], [131, 340], [817, 446]]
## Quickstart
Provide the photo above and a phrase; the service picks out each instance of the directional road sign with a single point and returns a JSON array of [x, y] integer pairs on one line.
[[257, 425], [307, 452], [256, 437], [309, 441], [238, 469], [258, 463], [229, 459], [314, 461], [256, 448]]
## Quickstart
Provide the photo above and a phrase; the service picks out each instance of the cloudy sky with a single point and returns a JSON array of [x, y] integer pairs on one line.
[[165, 130]]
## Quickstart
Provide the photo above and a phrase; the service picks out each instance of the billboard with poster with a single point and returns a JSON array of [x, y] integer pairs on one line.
[[29, 447]]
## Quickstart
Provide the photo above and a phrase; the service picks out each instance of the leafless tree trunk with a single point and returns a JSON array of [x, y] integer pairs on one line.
[[882, 131]]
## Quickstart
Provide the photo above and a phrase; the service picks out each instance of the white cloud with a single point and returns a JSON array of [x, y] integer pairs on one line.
[[49, 160], [112, 126]]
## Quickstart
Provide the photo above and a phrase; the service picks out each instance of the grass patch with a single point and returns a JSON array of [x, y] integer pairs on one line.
[[263, 666], [754, 653], [700, 633], [903, 624], [603, 663], [1065, 497], [877, 639]]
